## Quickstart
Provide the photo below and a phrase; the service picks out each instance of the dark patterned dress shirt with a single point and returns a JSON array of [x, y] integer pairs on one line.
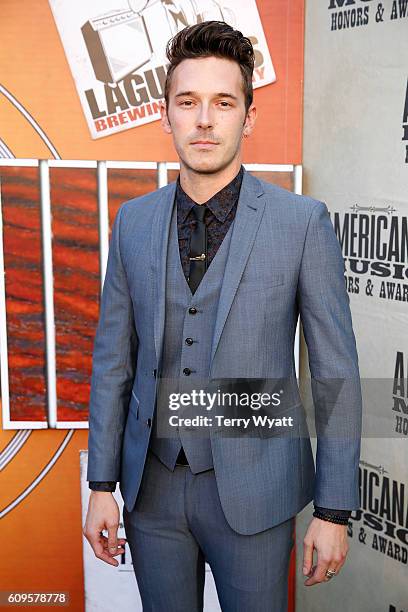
[[222, 207]]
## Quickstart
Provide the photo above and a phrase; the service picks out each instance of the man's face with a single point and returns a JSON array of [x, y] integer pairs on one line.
[[206, 113]]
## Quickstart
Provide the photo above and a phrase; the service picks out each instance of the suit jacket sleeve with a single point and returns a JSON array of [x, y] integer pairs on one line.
[[324, 307], [113, 367]]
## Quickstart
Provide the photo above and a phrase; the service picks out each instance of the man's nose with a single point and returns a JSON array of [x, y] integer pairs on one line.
[[205, 119]]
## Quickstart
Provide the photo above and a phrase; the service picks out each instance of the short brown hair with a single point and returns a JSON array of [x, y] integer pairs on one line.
[[208, 39]]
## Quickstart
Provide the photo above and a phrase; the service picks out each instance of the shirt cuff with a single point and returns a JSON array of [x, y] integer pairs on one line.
[[341, 517], [108, 486]]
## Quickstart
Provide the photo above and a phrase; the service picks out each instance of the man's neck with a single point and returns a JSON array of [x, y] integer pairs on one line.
[[201, 187]]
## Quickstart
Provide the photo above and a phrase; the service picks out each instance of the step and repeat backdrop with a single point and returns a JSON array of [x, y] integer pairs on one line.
[[80, 88], [355, 158]]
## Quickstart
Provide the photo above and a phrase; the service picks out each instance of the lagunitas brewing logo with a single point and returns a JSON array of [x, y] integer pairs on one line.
[[116, 52], [381, 523], [374, 241]]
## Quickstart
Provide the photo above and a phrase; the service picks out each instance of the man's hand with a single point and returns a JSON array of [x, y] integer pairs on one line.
[[330, 541], [103, 513]]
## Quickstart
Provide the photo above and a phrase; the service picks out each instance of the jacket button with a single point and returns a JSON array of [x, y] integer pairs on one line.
[[187, 371], [192, 310], [149, 422], [189, 341]]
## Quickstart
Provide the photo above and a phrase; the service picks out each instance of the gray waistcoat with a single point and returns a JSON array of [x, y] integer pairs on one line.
[[177, 355]]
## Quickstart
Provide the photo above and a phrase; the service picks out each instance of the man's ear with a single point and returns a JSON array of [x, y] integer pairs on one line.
[[164, 117], [249, 122]]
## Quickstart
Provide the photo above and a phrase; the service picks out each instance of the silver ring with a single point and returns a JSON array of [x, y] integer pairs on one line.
[[330, 573]]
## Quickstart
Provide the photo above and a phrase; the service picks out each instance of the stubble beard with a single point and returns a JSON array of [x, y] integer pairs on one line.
[[213, 168]]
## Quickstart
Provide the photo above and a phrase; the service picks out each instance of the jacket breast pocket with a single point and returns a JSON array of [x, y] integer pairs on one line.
[[255, 284]]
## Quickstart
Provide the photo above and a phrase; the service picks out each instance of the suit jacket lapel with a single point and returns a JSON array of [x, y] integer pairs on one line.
[[248, 216], [159, 241]]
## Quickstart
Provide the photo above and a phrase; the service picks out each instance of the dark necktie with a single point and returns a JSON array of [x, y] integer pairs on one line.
[[198, 247]]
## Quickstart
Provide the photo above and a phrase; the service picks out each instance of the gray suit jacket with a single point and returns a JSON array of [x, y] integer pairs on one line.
[[284, 260]]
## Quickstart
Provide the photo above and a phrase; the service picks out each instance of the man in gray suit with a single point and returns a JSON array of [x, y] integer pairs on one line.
[[205, 281]]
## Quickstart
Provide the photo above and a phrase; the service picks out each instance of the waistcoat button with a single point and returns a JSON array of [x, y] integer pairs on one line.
[[192, 310], [189, 341], [187, 371]]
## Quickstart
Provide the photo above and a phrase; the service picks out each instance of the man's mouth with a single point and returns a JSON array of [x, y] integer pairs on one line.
[[205, 144]]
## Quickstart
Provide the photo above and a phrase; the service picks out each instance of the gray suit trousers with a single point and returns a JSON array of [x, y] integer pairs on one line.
[[178, 523]]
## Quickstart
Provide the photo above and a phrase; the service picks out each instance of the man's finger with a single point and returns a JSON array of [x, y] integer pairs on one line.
[[319, 574], [121, 545], [105, 556], [338, 566], [307, 558], [113, 539], [121, 541], [96, 542]]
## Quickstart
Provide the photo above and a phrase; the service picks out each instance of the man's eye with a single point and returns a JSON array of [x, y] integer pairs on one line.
[[186, 103], [225, 104]]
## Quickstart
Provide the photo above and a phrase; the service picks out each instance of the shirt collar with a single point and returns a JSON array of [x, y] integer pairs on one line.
[[220, 204]]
